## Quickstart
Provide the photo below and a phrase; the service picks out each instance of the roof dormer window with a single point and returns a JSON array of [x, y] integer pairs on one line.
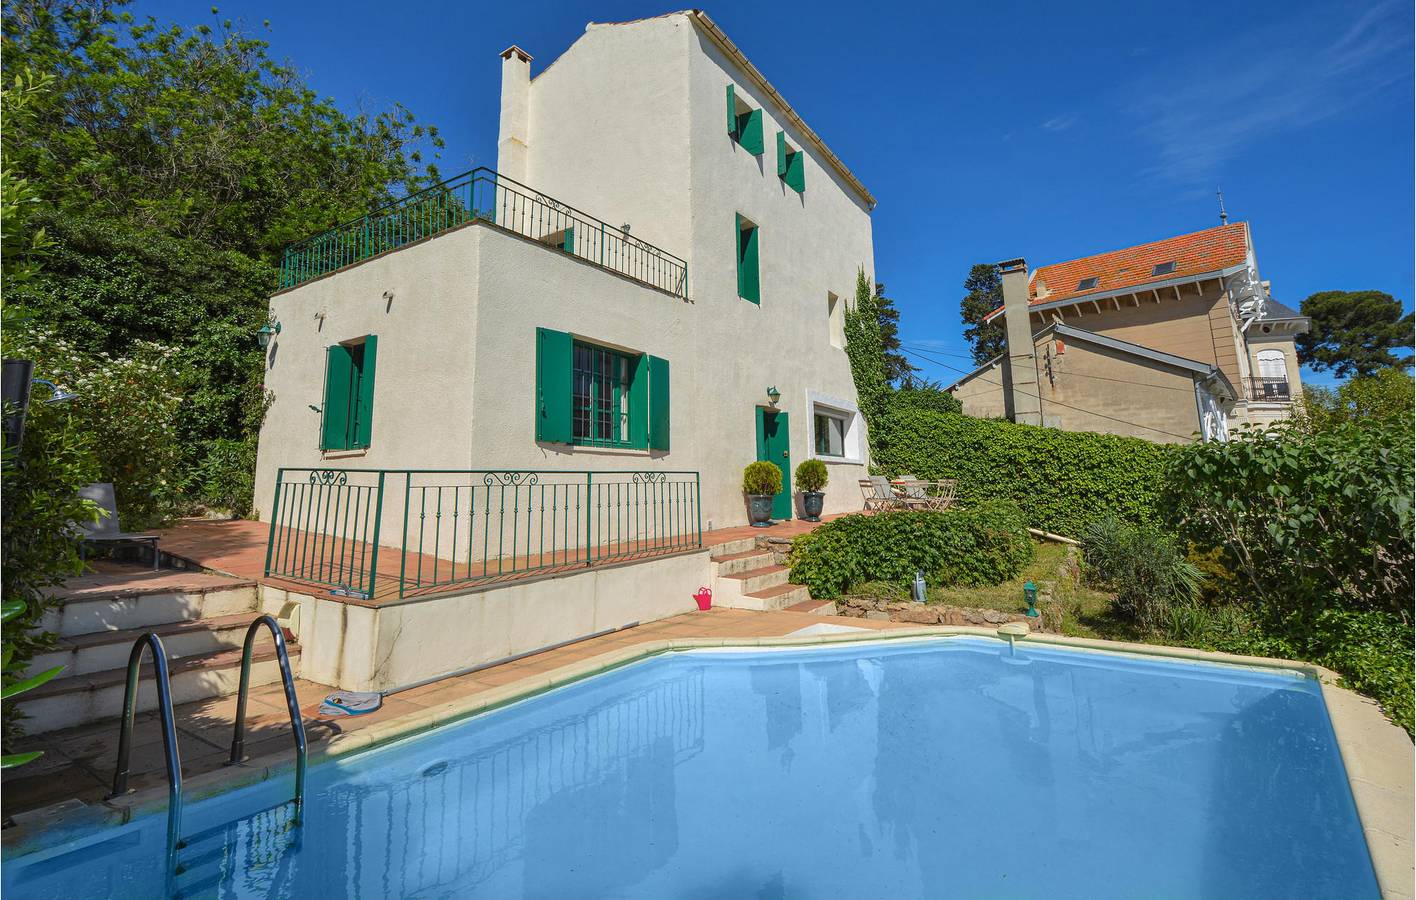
[[1165, 268], [1087, 284]]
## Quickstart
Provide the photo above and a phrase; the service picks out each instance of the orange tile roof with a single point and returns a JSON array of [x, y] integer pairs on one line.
[[1193, 254]]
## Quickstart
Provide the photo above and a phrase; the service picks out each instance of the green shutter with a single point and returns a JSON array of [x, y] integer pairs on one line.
[[737, 251], [364, 410], [339, 376], [568, 244], [555, 353], [796, 172], [658, 403], [748, 285], [750, 132], [782, 153], [732, 112], [639, 403]]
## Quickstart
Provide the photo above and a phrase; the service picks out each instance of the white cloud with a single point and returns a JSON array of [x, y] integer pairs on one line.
[[1059, 123], [1220, 99]]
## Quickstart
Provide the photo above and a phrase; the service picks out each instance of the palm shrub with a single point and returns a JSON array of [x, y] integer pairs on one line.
[[1146, 568], [761, 477], [811, 475]]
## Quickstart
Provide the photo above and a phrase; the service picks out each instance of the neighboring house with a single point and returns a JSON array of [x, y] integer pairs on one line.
[[1165, 341], [691, 270]]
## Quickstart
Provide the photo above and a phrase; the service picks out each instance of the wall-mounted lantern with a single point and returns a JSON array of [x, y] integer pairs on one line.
[[266, 332], [773, 394]]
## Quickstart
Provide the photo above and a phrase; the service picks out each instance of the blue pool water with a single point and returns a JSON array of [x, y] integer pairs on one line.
[[931, 769]]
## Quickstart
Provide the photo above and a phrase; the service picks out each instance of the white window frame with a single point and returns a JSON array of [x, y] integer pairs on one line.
[[853, 443]]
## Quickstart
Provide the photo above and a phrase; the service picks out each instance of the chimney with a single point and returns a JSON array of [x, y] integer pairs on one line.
[[515, 113], [1024, 400]]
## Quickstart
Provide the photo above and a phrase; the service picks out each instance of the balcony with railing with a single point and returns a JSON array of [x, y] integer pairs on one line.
[[1269, 390], [485, 196]]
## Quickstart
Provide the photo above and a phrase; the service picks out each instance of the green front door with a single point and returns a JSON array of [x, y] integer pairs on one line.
[[772, 445]]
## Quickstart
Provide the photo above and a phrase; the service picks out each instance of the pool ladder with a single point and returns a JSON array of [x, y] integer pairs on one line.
[[150, 641]]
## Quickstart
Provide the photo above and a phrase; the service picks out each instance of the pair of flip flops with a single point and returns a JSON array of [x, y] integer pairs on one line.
[[351, 703]]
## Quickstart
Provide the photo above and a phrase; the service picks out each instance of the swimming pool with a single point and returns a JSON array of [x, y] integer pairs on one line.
[[945, 767]]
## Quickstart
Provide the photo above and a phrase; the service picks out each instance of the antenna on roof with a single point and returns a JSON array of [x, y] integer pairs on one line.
[[1223, 216]]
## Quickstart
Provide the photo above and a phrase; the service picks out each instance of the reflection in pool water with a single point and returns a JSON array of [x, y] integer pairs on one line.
[[939, 768]]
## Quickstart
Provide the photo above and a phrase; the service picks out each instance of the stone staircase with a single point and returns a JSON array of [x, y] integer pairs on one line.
[[201, 619], [746, 576]]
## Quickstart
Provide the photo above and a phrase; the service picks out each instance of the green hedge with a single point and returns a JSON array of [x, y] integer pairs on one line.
[[1061, 480], [982, 545]]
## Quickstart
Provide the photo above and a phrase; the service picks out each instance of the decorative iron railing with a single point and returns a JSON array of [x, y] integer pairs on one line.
[[1275, 390], [379, 533], [483, 194]]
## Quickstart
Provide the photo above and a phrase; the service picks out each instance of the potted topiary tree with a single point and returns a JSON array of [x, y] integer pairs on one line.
[[811, 477], [761, 481]]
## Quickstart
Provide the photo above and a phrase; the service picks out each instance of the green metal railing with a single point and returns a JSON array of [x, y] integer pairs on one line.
[[483, 194], [384, 532]]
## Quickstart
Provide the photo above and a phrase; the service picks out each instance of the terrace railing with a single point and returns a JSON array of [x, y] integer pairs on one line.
[[380, 533], [484, 195], [1275, 390]]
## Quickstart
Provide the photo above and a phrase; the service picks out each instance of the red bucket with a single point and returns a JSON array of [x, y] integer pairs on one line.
[[704, 598]]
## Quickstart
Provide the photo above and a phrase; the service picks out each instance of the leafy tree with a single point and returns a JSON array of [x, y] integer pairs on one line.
[[1354, 332], [897, 367], [921, 393], [985, 294], [1385, 396], [158, 172]]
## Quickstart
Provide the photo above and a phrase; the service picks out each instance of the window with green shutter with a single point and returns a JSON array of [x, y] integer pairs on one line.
[[748, 278], [745, 124], [347, 415], [791, 165], [598, 396]]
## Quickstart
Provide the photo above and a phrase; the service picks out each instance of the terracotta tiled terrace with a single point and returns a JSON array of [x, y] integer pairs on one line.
[[238, 548], [78, 762]]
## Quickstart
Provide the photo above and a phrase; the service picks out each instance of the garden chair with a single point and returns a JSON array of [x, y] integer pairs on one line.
[[912, 492], [107, 530], [936, 495], [877, 497]]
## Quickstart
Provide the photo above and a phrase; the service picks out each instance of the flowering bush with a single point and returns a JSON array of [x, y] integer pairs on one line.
[[127, 406]]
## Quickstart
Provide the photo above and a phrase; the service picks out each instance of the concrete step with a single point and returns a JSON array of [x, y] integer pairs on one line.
[[727, 548], [184, 598], [814, 607], [84, 654], [780, 596], [80, 699], [735, 563], [758, 579]]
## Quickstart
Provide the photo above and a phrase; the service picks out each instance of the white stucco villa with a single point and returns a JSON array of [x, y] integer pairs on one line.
[[508, 410], [718, 241]]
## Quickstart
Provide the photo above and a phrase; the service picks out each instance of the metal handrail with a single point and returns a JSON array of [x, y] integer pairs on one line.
[[297, 725], [151, 641]]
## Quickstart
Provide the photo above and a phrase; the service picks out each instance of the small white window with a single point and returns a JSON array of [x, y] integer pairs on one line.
[[830, 434], [836, 320]]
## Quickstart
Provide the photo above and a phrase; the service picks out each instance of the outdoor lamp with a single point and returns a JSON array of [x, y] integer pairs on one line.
[[263, 336], [1030, 595], [56, 393], [773, 394]]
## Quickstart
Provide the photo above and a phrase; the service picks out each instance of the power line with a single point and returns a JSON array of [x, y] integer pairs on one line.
[[1055, 402]]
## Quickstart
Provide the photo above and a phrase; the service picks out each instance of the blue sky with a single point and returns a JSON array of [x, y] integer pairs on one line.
[[988, 131]]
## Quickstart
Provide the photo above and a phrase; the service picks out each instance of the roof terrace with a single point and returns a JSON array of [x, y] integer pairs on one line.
[[485, 196]]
